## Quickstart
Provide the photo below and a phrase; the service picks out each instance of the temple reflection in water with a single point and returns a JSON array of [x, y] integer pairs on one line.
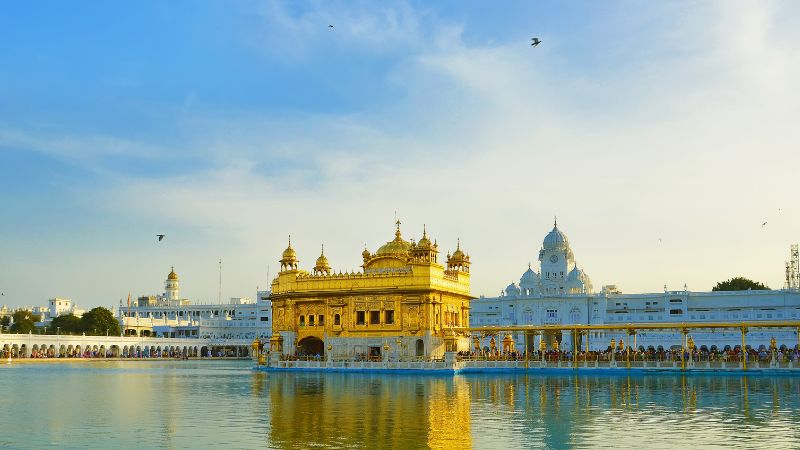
[[403, 411], [308, 409]]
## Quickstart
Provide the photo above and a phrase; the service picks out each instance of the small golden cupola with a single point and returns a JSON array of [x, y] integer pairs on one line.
[[424, 251], [289, 258], [458, 260], [365, 254], [322, 267], [172, 275]]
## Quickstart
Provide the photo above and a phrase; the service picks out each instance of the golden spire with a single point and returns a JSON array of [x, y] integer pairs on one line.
[[289, 256], [322, 265]]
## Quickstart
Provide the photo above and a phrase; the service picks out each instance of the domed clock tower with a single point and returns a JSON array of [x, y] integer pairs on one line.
[[555, 258]]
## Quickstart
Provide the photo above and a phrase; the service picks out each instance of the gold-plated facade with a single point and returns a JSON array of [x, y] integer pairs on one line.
[[400, 304]]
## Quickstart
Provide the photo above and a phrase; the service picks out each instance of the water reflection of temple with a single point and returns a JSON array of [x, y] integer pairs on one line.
[[374, 411]]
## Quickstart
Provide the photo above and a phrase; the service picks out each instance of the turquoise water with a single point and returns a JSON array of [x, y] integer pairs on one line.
[[224, 404]]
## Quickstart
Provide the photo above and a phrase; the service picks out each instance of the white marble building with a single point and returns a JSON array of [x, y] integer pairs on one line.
[[169, 315], [561, 293]]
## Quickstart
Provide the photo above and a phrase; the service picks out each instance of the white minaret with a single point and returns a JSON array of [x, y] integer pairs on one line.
[[171, 286]]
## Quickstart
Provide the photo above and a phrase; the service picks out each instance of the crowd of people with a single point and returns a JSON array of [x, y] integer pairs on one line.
[[783, 354]]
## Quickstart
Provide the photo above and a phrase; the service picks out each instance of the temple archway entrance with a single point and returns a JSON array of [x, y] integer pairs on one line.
[[420, 350], [311, 346]]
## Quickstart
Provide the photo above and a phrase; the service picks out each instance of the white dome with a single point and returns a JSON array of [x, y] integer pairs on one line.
[[529, 277], [555, 240], [576, 274], [512, 290]]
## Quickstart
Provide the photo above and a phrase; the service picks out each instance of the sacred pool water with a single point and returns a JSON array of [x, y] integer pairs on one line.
[[224, 404]]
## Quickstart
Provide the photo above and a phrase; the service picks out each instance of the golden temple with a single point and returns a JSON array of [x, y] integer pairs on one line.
[[404, 303]]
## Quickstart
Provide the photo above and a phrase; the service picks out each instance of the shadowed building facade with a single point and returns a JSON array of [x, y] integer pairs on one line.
[[404, 303]]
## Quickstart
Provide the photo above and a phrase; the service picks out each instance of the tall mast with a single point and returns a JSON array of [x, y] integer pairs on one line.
[[219, 296]]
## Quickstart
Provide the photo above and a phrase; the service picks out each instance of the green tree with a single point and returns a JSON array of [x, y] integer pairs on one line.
[[5, 321], [24, 321], [67, 323], [98, 320], [739, 284]]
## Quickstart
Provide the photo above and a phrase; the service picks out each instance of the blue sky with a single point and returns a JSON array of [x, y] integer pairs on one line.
[[228, 125]]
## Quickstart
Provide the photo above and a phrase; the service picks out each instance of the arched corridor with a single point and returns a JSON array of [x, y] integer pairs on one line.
[[68, 346]]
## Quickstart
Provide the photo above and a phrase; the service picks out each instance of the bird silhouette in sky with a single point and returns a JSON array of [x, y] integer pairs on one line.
[[160, 237], [535, 41], [763, 224], [330, 26]]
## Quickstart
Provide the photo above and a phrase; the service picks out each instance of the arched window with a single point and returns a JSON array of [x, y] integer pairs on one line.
[[337, 320]]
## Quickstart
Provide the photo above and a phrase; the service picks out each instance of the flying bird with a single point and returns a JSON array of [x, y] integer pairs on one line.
[[330, 26], [763, 224], [535, 41], [160, 237]]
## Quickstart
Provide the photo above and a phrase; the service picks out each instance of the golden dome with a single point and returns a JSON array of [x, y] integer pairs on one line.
[[289, 253], [172, 275], [458, 254], [398, 246], [322, 262], [424, 242]]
